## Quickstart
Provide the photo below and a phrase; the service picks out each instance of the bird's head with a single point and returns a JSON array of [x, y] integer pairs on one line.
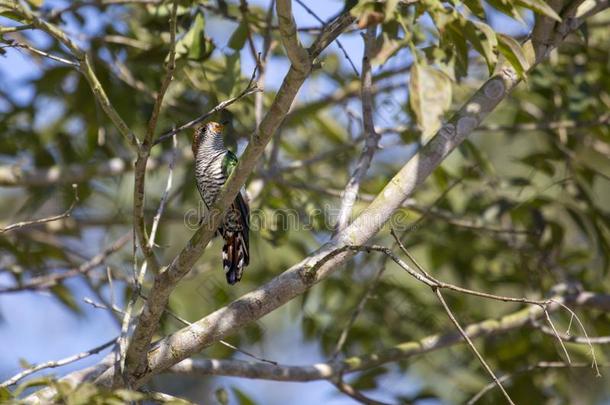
[[203, 131]]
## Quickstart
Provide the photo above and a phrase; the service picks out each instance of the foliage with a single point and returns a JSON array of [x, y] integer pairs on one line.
[[517, 210]]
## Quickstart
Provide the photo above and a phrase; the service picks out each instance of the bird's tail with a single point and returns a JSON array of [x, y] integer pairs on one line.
[[234, 255], [236, 250]]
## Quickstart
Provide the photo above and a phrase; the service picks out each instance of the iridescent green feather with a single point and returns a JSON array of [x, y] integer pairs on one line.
[[228, 163]]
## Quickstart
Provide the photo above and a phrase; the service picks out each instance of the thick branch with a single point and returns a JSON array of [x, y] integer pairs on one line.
[[165, 281], [400, 352], [299, 57], [139, 224], [372, 138], [300, 277]]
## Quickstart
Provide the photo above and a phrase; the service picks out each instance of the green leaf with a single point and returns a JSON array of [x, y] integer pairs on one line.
[[34, 382], [129, 395], [387, 46], [36, 3], [82, 394], [5, 394], [476, 7], [484, 40], [222, 396], [513, 52], [63, 294], [238, 39], [455, 40], [12, 16], [228, 83], [242, 398], [23, 363], [475, 155], [540, 7], [194, 45], [507, 7], [429, 97]]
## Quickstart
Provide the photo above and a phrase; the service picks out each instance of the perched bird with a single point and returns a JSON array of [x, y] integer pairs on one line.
[[213, 165]]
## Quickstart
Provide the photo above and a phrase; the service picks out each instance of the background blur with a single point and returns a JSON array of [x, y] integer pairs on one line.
[[520, 208]]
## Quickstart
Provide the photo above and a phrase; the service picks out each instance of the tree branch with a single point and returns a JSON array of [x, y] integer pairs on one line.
[[66, 214], [300, 277], [84, 67], [298, 55], [400, 352], [350, 193], [539, 365], [221, 106], [339, 44], [139, 224], [327, 371], [472, 346], [56, 363], [47, 281], [165, 281]]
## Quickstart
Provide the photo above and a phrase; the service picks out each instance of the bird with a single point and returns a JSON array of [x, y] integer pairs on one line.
[[213, 165]]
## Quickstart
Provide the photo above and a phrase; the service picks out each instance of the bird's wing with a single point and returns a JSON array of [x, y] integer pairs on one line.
[[229, 163]]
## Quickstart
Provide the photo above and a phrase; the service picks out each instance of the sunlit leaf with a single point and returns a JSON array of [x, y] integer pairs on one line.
[[429, 97], [476, 7], [36, 3], [513, 52], [194, 45], [507, 7], [5, 394], [483, 39], [541, 7]]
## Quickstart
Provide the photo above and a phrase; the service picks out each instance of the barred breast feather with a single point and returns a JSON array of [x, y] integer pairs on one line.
[[213, 164]]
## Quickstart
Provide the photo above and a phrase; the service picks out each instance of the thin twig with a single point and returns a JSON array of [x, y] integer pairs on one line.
[[472, 346], [339, 44], [6, 30], [84, 66], [402, 351], [585, 340], [359, 308], [184, 322], [128, 359], [428, 280], [164, 197], [355, 394], [563, 347], [372, 138], [539, 365], [56, 363], [14, 44], [584, 331], [66, 214], [221, 106], [243, 8], [259, 98], [48, 281], [110, 286]]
